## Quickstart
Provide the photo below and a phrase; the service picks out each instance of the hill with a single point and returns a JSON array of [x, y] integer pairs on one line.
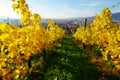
[[115, 16]]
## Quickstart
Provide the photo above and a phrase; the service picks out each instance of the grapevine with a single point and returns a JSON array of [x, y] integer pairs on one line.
[[18, 45], [106, 35]]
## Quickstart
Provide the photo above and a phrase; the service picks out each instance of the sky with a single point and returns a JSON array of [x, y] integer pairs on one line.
[[61, 8]]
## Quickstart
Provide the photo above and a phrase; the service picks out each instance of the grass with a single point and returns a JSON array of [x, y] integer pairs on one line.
[[68, 62]]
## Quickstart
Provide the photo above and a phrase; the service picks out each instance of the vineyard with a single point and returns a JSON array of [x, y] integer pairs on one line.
[[31, 52]]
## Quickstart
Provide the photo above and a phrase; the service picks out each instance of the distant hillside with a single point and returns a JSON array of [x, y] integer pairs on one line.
[[116, 16]]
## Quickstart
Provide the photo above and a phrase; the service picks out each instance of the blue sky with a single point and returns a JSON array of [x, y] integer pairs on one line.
[[61, 8]]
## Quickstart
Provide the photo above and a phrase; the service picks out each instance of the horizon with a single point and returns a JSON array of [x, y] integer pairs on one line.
[[6, 17], [52, 9]]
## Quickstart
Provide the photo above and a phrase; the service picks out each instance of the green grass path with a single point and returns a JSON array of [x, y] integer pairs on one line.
[[69, 63]]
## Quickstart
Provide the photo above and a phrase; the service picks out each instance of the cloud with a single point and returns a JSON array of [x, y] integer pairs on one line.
[[93, 4], [89, 5], [64, 12], [48, 11], [6, 10], [83, 4]]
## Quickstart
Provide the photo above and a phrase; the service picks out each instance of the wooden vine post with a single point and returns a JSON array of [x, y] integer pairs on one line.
[[85, 25]]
